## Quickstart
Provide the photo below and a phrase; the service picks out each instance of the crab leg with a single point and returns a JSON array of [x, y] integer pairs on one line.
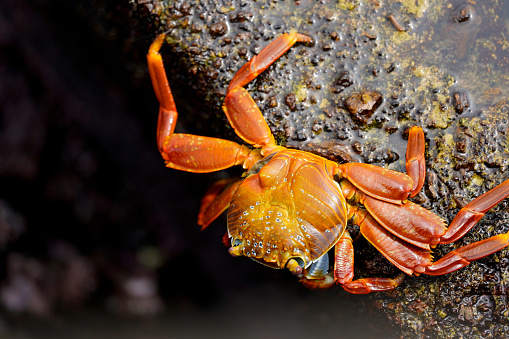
[[198, 154], [405, 256], [167, 109], [469, 215], [216, 200], [265, 58], [188, 152], [463, 256], [343, 259], [397, 251], [415, 163], [243, 114], [388, 185], [377, 182], [407, 221], [343, 264], [368, 285], [416, 228]]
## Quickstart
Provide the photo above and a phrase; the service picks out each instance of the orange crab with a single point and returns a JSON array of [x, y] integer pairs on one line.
[[292, 207]]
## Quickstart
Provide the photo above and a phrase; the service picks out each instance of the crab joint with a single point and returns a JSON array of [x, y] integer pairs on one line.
[[235, 251], [294, 267]]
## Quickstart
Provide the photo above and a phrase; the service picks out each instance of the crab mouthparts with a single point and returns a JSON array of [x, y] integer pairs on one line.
[[294, 264]]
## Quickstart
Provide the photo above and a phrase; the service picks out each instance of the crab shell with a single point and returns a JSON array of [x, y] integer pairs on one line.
[[290, 208]]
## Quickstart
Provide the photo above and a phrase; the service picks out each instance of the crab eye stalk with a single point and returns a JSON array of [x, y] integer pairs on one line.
[[294, 266]]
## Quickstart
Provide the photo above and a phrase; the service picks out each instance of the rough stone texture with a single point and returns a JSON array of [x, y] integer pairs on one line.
[[440, 65]]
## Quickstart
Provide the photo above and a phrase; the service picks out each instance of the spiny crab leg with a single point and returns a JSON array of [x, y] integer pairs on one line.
[[243, 114], [188, 152], [463, 256], [469, 215]]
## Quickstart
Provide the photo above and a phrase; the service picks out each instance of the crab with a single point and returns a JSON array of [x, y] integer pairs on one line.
[[292, 207]]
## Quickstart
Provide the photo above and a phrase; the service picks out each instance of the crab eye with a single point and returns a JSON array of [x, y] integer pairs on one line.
[[295, 265]]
